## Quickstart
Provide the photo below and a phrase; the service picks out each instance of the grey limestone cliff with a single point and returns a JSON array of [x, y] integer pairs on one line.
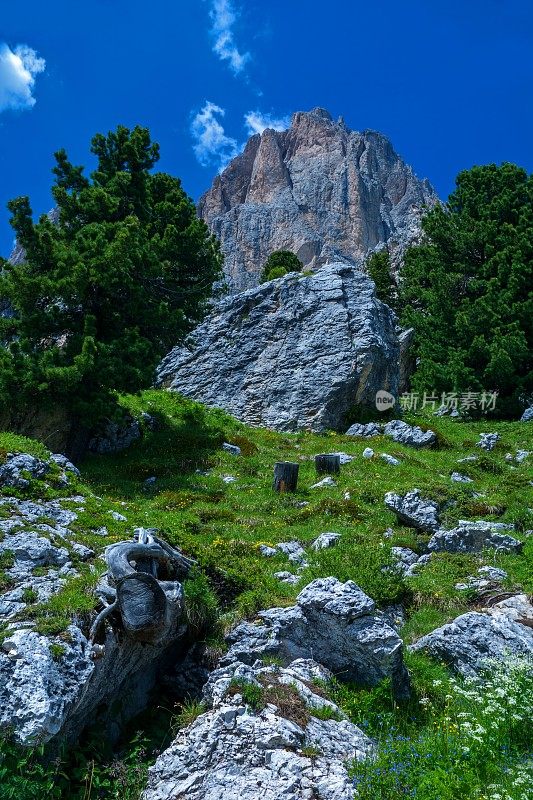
[[318, 189]]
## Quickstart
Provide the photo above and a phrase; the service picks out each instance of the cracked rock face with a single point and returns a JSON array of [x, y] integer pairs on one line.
[[467, 642], [414, 510], [335, 623], [317, 189], [297, 352], [473, 537], [233, 752]]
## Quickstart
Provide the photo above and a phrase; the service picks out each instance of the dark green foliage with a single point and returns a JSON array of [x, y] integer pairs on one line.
[[201, 606], [379, 269], [467, 290], [278, 264], [108, 290]]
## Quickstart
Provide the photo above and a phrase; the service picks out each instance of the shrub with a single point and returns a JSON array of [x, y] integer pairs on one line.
[[279, 263]]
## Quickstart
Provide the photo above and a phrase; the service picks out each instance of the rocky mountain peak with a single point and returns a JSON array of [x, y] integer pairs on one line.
[[319, 189]]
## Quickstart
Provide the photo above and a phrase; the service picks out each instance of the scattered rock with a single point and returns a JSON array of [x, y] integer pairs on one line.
[[517, 607], [394, 462], [116, 436], [294, 551], [18, 470], [325, 540], [287, 577], [473, 537], [37, 690], [30, 550], [405, 558], [487, 441], [368, 452], [116, 516], [150, 482], [327, 481], [83, 553], [493, 573], [233, 751], [527, 416], [344, 458], [267, 551], [458, 478], [231, 448], [229, 478], [365, 431], [414, 510], [410, 435]]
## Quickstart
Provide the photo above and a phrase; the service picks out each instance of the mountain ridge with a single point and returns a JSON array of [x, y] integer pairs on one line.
[[318, 189]]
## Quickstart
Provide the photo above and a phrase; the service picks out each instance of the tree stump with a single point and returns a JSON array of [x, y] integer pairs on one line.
[[327, 464], [285, 476]]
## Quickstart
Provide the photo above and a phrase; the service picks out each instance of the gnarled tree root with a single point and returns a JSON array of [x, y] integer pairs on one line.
[[149, 607]]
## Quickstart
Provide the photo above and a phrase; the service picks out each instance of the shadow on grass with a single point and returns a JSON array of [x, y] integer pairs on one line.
[[184, 438]]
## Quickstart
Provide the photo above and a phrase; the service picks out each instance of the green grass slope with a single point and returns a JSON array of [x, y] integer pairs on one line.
[[223, 525]]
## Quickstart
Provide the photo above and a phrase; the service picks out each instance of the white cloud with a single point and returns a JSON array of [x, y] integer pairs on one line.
[[211, 143], [256, 122], [18, 69], [224, 16]]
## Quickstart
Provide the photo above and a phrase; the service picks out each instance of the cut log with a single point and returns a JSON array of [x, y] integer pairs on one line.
[[327, 464], [285, 476]]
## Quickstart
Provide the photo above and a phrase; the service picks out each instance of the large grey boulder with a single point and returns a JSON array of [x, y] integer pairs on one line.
[[470, 640], [335, 623], [297, 352], [235, 752], [414, 510], [317, 189], [472, 537]]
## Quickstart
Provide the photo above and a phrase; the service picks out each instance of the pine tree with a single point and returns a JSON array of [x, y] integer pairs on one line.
[[467, 290], [105, 290]]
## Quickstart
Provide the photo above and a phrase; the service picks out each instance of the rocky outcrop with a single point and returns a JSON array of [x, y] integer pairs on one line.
[[270, 730], [59, 674], [467, 642], [317, 189], [274, 748], [399, 431], [297, 352], [472, 537], [410, 435], [414, 510], [335, 623]]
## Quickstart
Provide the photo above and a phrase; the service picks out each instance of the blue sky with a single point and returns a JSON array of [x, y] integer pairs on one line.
[[449, 81]]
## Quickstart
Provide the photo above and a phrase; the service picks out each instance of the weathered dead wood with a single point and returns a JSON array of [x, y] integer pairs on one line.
[[285, 476]]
